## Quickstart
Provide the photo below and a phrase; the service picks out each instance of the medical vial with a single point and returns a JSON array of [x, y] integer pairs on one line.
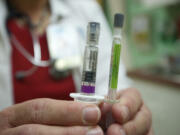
[[115, 56], [90, 59]]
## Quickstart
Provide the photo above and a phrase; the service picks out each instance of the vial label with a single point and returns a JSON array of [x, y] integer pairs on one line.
[[89, 71], [89, 76]]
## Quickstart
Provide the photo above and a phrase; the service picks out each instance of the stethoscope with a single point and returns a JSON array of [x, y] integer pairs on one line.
[[36, 59]]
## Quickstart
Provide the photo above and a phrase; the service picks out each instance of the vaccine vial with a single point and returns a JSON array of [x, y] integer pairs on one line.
[[90, 59], [115, 56]]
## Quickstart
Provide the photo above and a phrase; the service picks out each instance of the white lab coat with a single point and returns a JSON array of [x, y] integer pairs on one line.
[[79, 12]]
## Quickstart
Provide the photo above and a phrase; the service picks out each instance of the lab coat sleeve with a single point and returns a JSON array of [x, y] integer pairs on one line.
[[93, 12]]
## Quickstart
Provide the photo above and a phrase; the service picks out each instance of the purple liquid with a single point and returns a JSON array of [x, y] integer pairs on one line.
[[88, 89]]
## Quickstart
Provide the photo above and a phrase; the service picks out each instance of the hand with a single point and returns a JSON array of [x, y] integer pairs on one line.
[[130, 114], [50, 117]]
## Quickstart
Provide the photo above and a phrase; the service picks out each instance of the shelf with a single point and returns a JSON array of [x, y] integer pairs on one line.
[[144, 7], [158, 3], [159, 48], [152, 74]]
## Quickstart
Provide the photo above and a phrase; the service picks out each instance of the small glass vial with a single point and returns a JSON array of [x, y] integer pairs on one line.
[[90, 59], [88, 81], [115, 57]]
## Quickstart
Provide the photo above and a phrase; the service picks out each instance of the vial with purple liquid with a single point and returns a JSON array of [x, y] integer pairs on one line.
[[88, 79], [90, 59]]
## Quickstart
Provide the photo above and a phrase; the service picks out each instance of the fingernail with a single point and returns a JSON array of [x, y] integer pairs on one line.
[[91, 114], [95, 131], [125, 113]]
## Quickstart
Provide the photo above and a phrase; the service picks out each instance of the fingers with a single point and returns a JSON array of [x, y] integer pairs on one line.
[[105, 108], [34, 129], [130, 102], [151, 132], [53, 112], [106, 116], [115, 129], [140, 125]]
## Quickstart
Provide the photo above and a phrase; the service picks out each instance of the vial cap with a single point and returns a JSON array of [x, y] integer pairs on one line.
[[93, 32], [118, 20]]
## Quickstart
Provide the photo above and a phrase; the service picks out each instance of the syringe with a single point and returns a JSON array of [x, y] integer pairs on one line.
[[89, 67], [115, 58]]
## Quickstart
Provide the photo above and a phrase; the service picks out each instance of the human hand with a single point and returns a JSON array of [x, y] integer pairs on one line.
[[50, 117], [130, 114]]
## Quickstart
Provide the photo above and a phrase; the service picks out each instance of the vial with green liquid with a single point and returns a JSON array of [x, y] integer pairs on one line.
[[115, 57]]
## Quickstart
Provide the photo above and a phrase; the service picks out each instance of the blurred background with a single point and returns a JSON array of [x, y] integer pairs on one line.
[[151, 53]]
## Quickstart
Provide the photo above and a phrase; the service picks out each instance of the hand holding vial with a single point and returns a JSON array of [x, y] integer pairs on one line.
[[129, 114]]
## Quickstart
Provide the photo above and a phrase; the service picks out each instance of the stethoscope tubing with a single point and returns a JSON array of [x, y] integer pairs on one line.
[[36, 60]]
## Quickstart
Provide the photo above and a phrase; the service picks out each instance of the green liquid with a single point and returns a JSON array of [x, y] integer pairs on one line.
[[115, 66]]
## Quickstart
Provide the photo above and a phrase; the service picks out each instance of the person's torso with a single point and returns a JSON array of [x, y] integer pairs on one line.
[[40, 84]]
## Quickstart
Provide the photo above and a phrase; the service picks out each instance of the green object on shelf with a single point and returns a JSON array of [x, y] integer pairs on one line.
[[147, 42]]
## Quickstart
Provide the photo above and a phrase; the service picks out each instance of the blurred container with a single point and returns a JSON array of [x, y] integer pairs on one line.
[[174, 64], [141, 32]]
